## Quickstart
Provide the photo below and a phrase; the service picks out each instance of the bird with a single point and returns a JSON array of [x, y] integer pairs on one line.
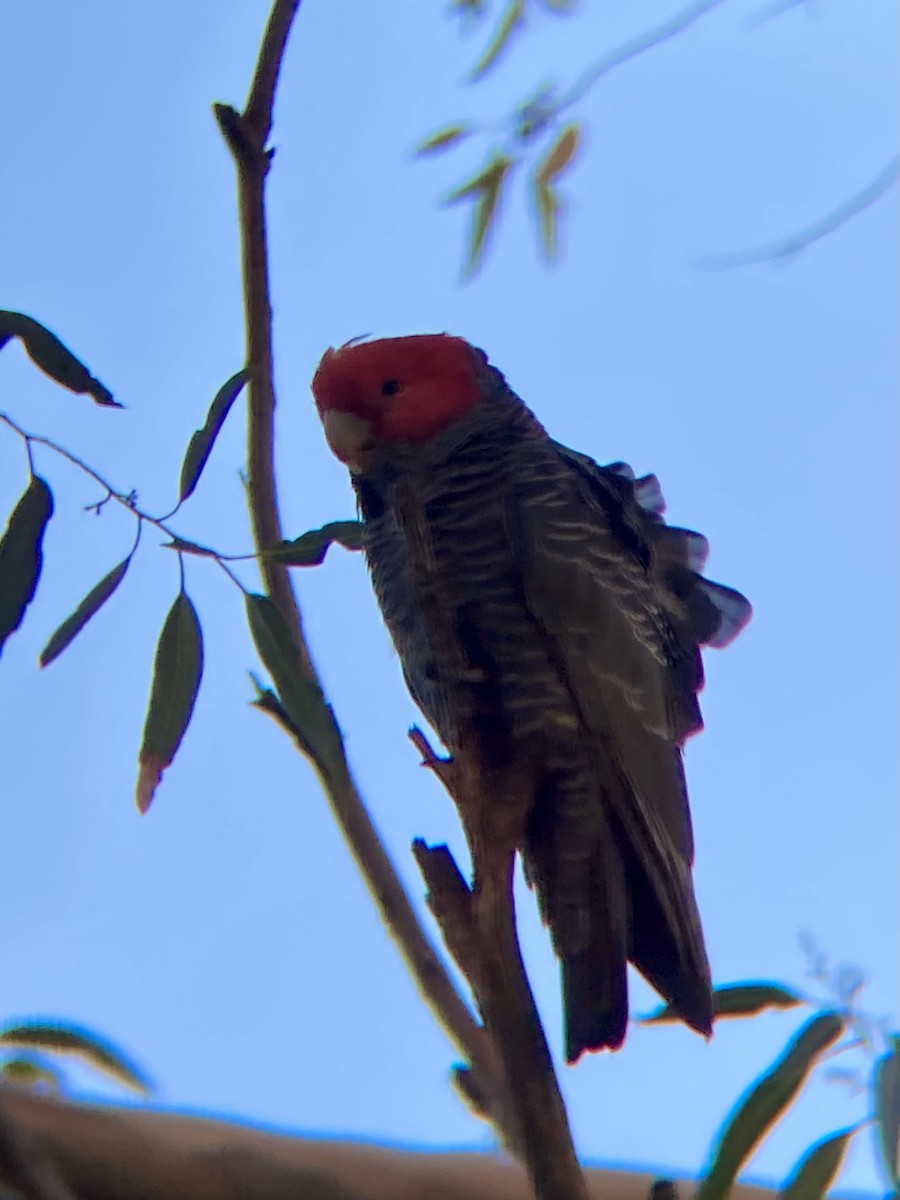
[[549, 625]]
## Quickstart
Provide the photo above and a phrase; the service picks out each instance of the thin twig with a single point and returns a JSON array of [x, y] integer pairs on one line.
[[247, 136], [634, 47], [793, 245], [126, 500]]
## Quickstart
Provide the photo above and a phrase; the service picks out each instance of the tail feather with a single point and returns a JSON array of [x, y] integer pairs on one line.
[[595, 1001], [672, 960]]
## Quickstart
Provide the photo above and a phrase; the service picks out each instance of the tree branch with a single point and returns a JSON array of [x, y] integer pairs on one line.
[[109, 1153], [479, 929], [246, 135]]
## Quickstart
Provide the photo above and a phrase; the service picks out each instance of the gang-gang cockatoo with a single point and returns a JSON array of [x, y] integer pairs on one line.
[[549, 626]]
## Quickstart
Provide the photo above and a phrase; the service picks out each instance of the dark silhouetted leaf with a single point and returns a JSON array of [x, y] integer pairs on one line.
[[177, 671], [71, 1039], [443, 140], [762, 1105], [92, 603], [887, 1108], [310, 548], [736, 1000], [817, 1170], [306, 708], [183, 546], [201, 443], [486, 188], [32, 1073], [509, 23], [21, 554], [47, 352]]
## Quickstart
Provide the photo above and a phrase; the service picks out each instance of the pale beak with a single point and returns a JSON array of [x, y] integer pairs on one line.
[[349, 436]]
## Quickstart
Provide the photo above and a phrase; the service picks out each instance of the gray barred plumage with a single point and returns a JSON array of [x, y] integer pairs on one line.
[[546, 618]]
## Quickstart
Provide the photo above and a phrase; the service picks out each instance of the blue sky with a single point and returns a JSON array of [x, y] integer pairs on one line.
[[225, 939]]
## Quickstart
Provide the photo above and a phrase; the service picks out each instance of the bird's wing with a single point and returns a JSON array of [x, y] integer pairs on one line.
[[618, 598]]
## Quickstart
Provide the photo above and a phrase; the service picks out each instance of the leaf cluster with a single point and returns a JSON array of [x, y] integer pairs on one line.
[[178, 661]]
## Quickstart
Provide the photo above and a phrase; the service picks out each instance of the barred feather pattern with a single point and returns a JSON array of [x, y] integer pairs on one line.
[[546, 616]]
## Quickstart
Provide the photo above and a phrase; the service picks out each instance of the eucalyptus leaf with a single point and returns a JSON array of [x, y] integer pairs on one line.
[[818, 1169], [177, 670], [63, 1038], [487, 189], [89, 606], [21, 554], [47, 352], [201, 443], [736, 1000], [449, 136], [509, 23], [561, 153], [763, 1104], [310, 548], [301, 698]]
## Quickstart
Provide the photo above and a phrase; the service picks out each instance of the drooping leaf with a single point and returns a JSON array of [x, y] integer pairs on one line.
[[443, 140], [887, 1108], [561, 7], [763, 1104], [91, 604], [818, 1169], [63, 1038], [487, 189], [201, 443], [47, 352], [509, 23], [558, 159], [301, 698], [310, 548], [548, 209], [21, 554], [736, 1000], [177, 670]]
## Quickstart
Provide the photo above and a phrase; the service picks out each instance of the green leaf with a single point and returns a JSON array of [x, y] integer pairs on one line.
[[511, 20], [310, 548], [765, 1102], [736, 1000], [32, 1073], [301, 698], [558, 159], [47, 352], [201, 443], [71, 1039], [486, 187], [177, 670], [183, 546], [21, 554], [92, 603], [443, 140], [887, 1108], [817, 1170], [561, 154]]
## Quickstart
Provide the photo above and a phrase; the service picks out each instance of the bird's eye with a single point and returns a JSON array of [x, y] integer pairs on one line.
[[390, 387]]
